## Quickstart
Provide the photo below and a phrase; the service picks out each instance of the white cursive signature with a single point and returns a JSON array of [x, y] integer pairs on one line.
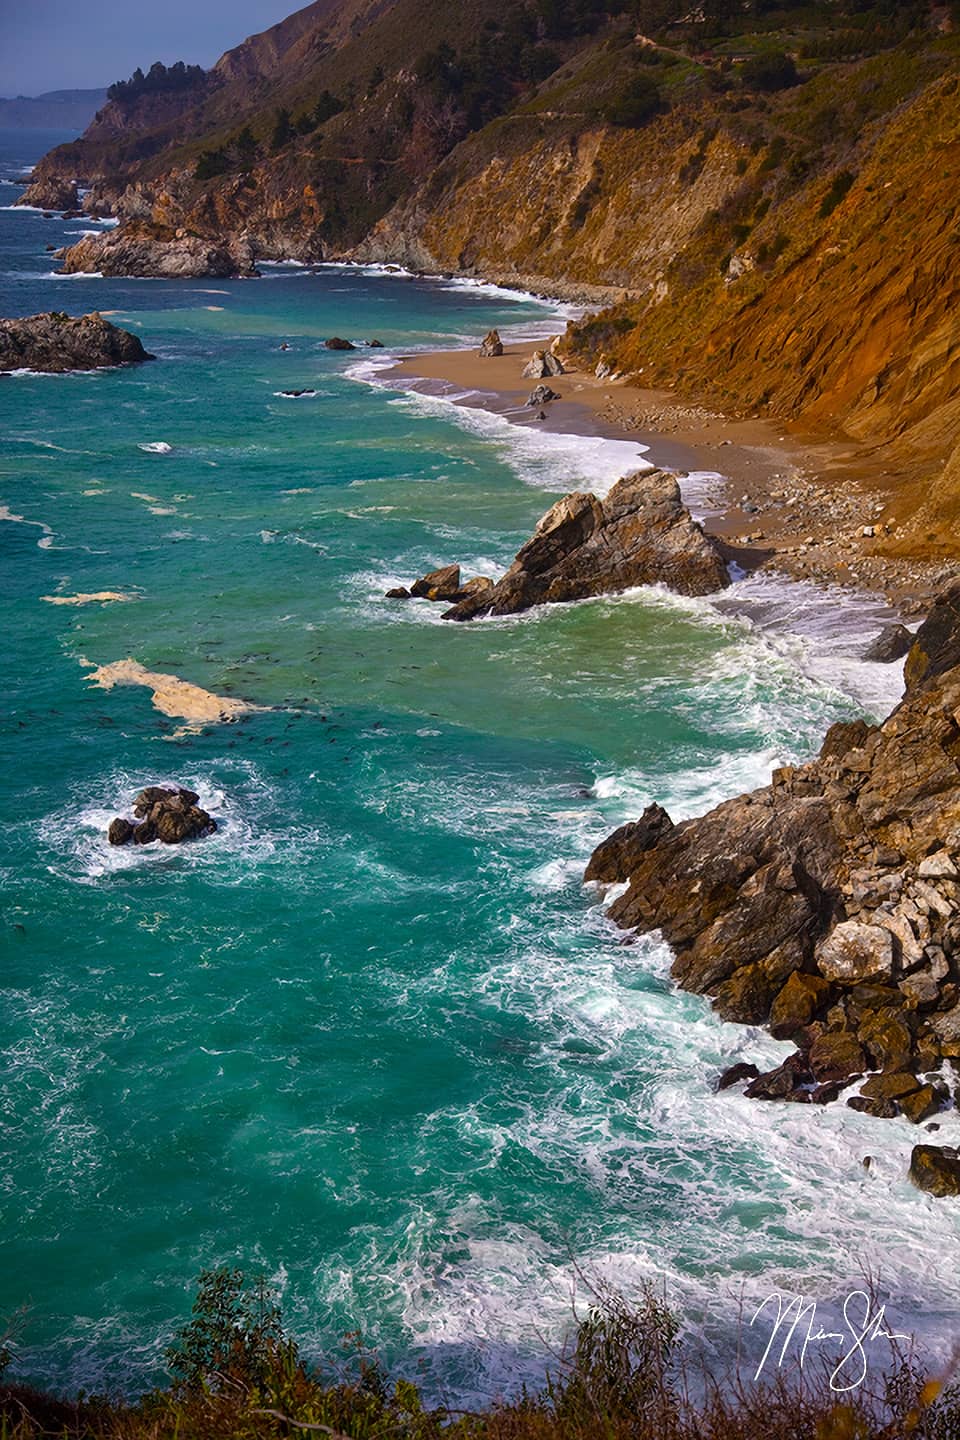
[[863, 1325]]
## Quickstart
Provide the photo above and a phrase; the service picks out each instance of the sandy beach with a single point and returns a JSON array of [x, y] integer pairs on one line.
[[804, 505]]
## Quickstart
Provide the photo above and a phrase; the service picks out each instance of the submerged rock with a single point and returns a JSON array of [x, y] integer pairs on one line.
[[142, 250], [491, 345], [641, 534], [827, 904], [171, 816], [55, 342]]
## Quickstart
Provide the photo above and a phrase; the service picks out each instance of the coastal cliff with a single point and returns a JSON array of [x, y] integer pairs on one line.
[[827, 905], [766, 210]]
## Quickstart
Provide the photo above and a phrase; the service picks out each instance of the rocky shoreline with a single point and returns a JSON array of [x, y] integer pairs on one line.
[[827, 904], [56, 343]]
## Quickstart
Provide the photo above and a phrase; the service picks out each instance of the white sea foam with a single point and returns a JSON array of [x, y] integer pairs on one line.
[[546, 459], [155, 447]]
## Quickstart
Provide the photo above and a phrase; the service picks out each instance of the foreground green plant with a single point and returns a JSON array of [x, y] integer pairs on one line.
[[238, 1376]]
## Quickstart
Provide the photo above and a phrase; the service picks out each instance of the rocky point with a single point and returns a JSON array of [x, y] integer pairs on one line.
[[827, 904], [54, 342]]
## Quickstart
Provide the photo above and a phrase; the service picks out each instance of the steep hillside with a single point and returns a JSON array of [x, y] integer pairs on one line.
[[767, 200]]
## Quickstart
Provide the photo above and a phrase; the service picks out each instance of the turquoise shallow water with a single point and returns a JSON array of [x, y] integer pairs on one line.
[[374, 1037]]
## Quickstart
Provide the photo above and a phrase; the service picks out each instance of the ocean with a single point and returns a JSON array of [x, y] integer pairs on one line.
[[375, 1038]]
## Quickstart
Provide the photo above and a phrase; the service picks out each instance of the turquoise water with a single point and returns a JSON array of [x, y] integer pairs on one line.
[[374, 1037]]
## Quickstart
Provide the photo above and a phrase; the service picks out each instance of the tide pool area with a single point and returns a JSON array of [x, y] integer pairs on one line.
[[374, 1037]]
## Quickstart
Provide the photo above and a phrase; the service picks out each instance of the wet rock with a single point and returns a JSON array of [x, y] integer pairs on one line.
[[734, 1074], [836, 1056], [55, 343], [399, 592], [169, 815], [443, 584], [374, 344], [542, 395], [491, 345], [793, 1080], [886, 1039], [936, 645], [936, 1169], [613, 860], [745, 997], [336, 342], [640, 534], [890, 1087], [797, 1003], [891, 644], [120, 832], [920, 1104], [879, 1109]]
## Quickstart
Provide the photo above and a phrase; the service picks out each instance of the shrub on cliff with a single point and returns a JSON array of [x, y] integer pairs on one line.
[[772, 70], [636, 103]]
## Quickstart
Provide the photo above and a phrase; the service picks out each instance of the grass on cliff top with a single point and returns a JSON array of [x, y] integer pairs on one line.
[[237, 1376]]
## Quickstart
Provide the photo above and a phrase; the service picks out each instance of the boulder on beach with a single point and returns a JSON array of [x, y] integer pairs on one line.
[[641, 534], [542, 395], [542, 364], [491, 345], [55, 343], [148, 251], [171, 816]]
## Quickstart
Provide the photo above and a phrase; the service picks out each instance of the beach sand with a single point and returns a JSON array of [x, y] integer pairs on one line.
[[784, 500]]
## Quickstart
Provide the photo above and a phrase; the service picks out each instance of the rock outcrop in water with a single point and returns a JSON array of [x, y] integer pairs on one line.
[[151, 251], [641, 534], [55, 342], [51, 192], [171, 816], [827, 905]]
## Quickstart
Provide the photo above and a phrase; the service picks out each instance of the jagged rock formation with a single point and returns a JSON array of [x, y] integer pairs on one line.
[[490, 345], [641, 534], [171, 816], [55, 343], [542, 395], [542, 363], [51, 193], [150, 250], [348, 130], [827, 905]]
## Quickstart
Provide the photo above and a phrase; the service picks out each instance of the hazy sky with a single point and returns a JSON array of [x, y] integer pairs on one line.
[[66, 44]]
